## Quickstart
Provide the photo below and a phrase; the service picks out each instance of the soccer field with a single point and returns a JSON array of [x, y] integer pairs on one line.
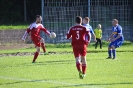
[[59, 71]]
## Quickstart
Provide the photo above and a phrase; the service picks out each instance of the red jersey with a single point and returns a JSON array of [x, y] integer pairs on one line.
[[35, 29], [78, 34]]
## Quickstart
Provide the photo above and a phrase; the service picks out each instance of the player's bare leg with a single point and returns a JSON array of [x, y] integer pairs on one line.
[[78, 65], [36, 54], [84, 65], [113, 52], [43, 45]]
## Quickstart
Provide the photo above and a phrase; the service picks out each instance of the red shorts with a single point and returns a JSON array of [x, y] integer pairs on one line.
[[79, 50], [36, 41]]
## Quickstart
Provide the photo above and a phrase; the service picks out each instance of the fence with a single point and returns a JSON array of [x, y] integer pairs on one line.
[[59, 16]]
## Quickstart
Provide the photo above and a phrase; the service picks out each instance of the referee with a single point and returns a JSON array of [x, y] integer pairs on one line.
[[98, 33]]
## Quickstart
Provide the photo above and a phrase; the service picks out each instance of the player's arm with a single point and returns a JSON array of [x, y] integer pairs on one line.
[[119, 35], [110, 37], [45, 30], [69, 34], [101, 34], [94, 36], [88, 34], [26, 34]]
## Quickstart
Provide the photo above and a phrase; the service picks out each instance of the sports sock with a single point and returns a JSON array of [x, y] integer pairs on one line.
[[35, 56], [43, 47], [84, 68], [78, 65], [114, 53], [109, 52]]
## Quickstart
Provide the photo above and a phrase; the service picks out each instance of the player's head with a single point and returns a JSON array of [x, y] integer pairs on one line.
[[38, 19], [99, 26], [78, 19], [114, 22], [86, 20]]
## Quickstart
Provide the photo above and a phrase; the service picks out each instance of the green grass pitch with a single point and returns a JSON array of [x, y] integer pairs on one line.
[[59, 71]]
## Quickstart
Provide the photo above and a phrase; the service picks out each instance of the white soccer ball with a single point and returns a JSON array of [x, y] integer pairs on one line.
[[52, 35]]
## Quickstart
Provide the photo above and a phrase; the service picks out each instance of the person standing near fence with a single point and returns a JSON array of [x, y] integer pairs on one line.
[[98, 33], [79, 44], [35, 29], [86, 21], [116, 39]]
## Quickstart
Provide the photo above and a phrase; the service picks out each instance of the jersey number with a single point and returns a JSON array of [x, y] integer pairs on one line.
[[77, 37]]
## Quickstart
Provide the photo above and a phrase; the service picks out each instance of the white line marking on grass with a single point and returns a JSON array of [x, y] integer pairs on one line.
[[30, 80], [49, 81], [11, 78]]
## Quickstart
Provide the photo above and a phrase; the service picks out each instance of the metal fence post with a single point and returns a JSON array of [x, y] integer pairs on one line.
[[42, 7], [88, 8]]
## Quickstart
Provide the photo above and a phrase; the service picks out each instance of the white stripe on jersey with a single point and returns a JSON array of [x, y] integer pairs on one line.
[[34, 25], [48, 32], [25, 35]]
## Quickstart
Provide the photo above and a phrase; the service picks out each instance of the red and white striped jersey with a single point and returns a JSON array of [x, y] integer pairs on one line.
[[35, 29]]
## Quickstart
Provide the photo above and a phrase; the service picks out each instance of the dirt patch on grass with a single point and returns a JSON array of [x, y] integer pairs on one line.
[[49, 53], [20, 46], [30, 53]]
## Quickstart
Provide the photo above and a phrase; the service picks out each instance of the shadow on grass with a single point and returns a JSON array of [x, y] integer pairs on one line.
[[12, 83], [66, 84], [17, 82], [87, 85]]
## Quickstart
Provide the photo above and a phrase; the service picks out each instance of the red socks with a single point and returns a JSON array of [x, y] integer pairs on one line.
[[78, 65], [36, 53], [43, 47], [84, 68], [35, 56]]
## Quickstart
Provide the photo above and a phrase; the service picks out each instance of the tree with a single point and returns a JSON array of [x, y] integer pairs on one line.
[[12, 11]]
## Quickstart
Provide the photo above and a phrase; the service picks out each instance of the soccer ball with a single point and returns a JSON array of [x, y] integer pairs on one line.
[[52, 35]]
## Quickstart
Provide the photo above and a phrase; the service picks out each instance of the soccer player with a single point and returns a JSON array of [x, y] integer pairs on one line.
[[35, 29], [98, 33], [116, 39], [79, 44], [86, 21]]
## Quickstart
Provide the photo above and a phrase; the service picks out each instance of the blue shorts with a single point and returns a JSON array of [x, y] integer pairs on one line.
[[116, 43]]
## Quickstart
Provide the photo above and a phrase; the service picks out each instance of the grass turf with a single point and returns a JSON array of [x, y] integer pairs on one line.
[[14, 26], [124, 48], [59, 71]]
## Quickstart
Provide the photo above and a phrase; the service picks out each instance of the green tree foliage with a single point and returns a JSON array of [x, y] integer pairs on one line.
[[11, 11], [33, 9]]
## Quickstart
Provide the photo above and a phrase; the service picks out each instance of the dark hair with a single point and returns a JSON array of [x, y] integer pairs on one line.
[[37, 16], [78, 19]]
